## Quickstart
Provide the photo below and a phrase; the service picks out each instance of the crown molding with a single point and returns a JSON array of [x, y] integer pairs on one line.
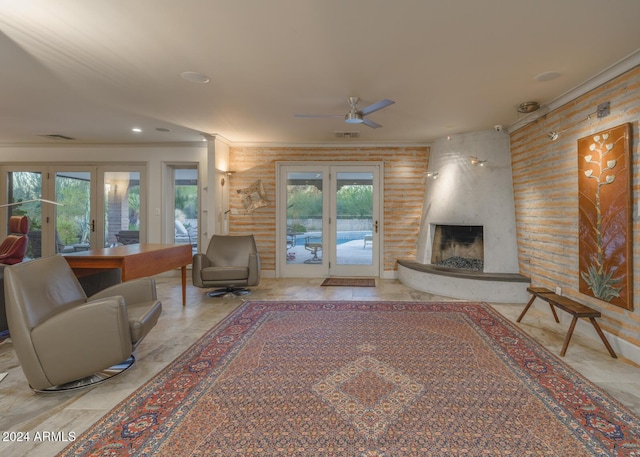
[[70, 145], [330, 145]]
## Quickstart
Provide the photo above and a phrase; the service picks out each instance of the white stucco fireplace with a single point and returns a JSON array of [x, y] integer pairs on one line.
[[473, 189]]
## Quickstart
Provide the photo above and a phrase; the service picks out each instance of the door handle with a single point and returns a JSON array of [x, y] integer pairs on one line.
[[376, 226], [93, 225]]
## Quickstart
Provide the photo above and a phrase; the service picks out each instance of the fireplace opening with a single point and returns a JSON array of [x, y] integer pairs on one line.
[[458, 246]]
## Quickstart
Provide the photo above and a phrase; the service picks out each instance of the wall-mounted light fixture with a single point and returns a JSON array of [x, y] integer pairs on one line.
[[528, 107], [228, 173], [477, 162], [432, 174], [553, 135], [603, 110]]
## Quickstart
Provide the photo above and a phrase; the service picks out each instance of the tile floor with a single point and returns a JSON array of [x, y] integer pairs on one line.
[[21, 410]]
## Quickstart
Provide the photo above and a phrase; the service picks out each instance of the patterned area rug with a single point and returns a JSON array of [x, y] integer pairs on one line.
[[365, 379], [350, 282]]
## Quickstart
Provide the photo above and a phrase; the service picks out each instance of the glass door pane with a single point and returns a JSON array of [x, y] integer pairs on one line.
[[305, 207], [25, 186], [355, 234], [121, 208], [186, 207], [74, 222], [354, 218]]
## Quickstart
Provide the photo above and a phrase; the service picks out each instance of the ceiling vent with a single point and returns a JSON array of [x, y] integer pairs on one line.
[[347, 135], [57, 136]]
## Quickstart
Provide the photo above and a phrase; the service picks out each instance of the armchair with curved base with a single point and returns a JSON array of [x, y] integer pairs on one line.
[[231, 262], [65, 340], [14, 246]]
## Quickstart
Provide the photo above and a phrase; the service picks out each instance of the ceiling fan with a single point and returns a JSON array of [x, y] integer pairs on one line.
[[356, 116]]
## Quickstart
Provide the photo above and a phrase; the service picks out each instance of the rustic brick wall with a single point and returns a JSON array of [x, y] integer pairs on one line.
[[545, 180], [403, 185]]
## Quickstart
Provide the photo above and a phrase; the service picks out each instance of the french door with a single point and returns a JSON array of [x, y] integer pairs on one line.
[[75, 218], [96, 203], [328, 219], [24, 187]]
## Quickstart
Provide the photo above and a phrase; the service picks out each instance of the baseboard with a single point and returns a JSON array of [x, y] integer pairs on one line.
[[622, 347], [390, 274]]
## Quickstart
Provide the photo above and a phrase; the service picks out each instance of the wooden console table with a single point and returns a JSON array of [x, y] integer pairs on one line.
[[135, 261]]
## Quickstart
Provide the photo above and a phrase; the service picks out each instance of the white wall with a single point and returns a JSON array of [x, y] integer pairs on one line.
[[215, 190], [472, 195]]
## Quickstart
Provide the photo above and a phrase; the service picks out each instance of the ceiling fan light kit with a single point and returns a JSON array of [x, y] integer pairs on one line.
[[353, 118]]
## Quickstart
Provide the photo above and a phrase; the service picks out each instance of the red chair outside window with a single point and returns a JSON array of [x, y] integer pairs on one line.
[[14, 247]]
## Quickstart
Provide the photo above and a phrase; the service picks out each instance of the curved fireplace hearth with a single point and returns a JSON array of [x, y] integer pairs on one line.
[[464, 284]]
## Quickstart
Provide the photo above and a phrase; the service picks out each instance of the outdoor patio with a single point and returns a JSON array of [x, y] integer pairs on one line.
[[353, 252]]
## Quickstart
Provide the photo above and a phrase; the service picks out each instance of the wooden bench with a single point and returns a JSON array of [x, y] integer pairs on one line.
[[572, 307]]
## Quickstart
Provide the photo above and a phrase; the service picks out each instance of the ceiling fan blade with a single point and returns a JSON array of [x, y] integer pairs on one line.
[[318, 115], [376, 106], [370, 123]]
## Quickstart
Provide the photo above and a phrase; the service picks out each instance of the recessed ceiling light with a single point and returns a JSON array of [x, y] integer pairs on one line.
[[136, 130], [195, 77]]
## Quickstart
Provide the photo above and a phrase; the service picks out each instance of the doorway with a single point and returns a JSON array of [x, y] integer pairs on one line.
[[182, 199], [329, 220]]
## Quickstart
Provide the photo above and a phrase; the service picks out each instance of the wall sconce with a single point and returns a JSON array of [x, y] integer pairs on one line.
[[432, 174], [553, 135], [603, 110], [228, 173], [528, 107], [475, 161]]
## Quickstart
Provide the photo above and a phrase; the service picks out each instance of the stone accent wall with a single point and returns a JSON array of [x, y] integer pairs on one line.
[[545, 181], [403, 182]]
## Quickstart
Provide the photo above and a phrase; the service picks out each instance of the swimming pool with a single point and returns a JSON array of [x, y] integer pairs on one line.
[[343, 236]]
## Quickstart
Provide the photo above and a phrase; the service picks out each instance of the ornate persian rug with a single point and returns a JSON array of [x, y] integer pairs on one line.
[[352, 282], [365, 379]]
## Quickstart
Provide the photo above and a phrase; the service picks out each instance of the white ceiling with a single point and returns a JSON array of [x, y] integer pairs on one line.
[[93, 69]]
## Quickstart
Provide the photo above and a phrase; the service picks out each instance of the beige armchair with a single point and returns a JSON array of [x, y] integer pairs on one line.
[[65, 340], [231, 262]]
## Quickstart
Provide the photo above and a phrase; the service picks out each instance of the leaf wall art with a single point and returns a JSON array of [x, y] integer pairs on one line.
[[604, 200]]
